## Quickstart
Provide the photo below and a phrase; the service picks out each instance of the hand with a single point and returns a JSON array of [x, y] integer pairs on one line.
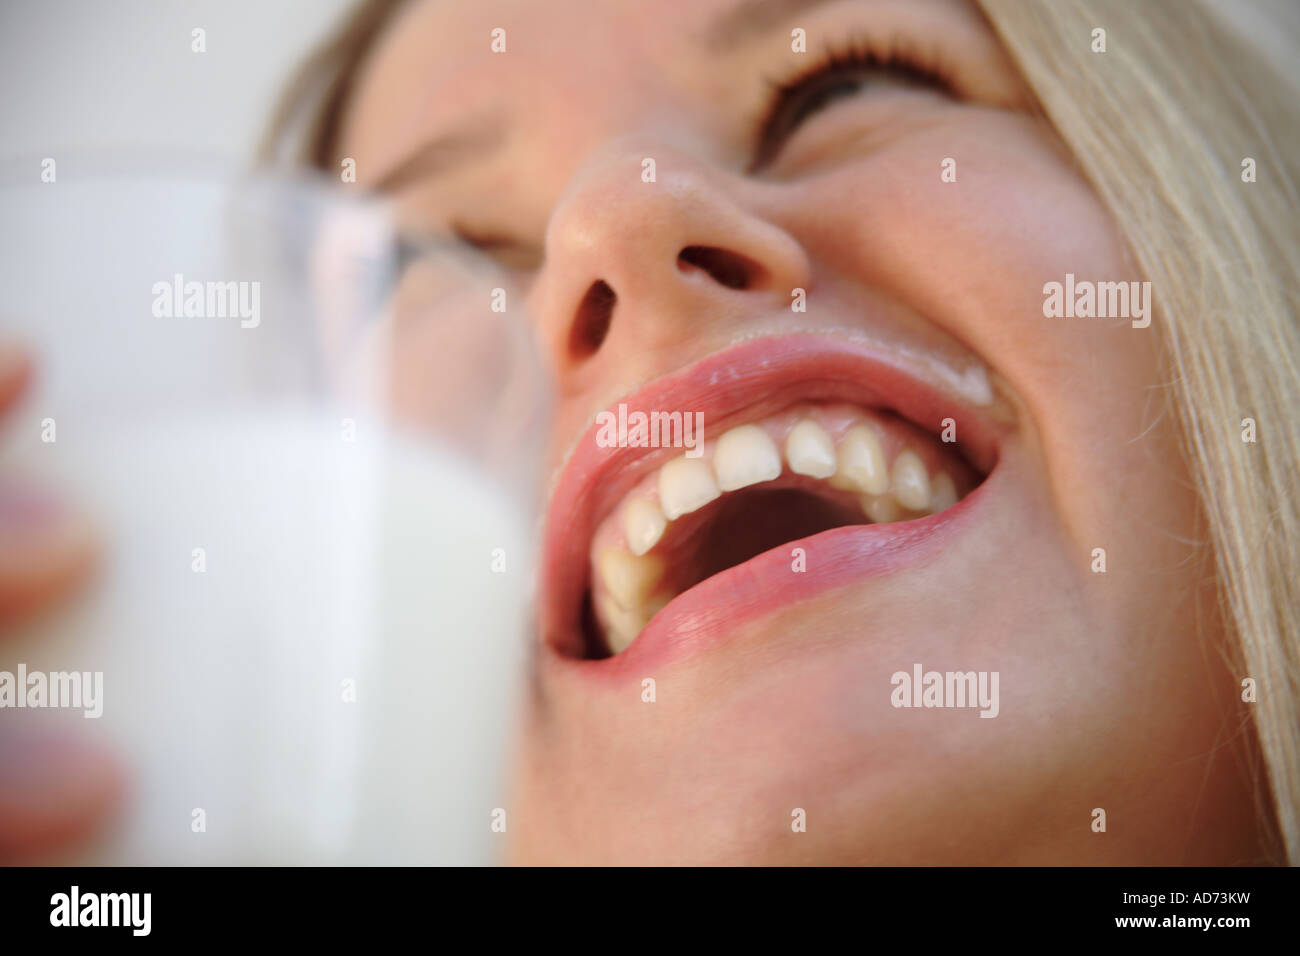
[[54, 789]]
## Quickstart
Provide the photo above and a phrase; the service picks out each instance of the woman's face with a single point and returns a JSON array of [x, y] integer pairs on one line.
[[910, 193]]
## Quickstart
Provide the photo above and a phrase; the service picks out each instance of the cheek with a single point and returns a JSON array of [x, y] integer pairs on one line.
[[973, 256]]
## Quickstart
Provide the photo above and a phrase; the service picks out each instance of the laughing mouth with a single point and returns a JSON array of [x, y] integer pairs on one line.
[[761, 485], [811, 437]]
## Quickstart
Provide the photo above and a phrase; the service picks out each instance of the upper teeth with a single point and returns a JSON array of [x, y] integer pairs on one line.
[[644, 524], [861, 464], [810, 451], [943, 493], [910, 482], [882, 509], [745, 456], [685, 485], [626, 576]]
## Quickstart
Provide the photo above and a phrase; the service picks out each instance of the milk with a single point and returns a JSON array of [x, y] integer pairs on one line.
[[310, 634], [310, 628]]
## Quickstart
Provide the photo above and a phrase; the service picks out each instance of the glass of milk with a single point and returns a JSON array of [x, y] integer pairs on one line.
[[311, 450]]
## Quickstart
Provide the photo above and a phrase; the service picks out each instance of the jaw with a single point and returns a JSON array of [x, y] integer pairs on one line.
[[791, 709]]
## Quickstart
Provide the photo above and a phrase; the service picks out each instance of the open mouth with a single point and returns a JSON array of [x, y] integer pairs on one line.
[[820, 455], [760, 486]]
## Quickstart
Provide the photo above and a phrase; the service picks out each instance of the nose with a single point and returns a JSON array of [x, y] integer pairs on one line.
[[645, 245]]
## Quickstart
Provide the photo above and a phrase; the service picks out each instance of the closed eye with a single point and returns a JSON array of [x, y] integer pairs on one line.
[[507, 251], [843, 72], [459, 243]]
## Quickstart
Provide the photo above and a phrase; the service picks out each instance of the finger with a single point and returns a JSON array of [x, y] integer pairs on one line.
[[46, 549], [15, 373], [55, 790]]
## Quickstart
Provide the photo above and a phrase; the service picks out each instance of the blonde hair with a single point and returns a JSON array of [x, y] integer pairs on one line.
[[1160, 124]]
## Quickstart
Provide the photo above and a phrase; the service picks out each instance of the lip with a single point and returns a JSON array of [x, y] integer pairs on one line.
[[738, 384]]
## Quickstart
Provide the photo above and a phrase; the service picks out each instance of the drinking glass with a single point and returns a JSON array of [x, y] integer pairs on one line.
[[310, 447]]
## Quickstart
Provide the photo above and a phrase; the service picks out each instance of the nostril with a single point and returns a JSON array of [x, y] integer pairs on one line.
[[591, 324], [726, 268]]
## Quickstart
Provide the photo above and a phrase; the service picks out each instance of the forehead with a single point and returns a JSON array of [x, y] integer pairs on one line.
[[574, 71], [436, 62]]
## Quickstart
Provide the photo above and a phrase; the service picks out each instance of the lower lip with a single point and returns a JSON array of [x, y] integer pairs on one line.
[[708, 614]]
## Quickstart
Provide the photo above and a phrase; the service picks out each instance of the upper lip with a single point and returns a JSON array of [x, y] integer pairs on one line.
[[735, 385]]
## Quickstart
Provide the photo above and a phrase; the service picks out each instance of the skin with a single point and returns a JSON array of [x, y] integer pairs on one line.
[[54, 790], [1113, 690]]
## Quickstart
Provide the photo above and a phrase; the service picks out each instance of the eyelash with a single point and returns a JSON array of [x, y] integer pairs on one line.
[[925, 67]]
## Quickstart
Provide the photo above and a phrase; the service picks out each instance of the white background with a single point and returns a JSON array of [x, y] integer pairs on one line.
[[120, 74]]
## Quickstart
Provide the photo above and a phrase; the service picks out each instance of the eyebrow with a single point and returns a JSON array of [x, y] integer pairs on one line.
[[750, 19], [444, 153]]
